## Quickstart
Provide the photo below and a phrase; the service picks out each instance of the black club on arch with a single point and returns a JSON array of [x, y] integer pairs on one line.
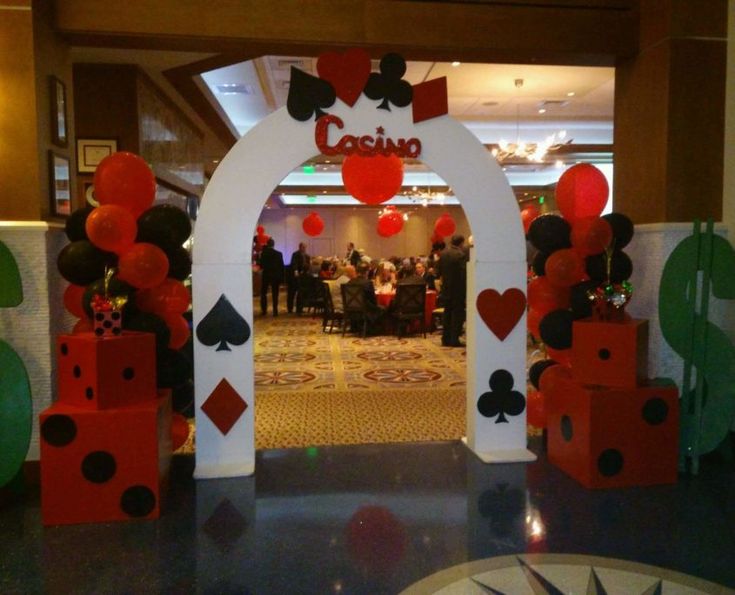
[[501, 400], [388, 85]]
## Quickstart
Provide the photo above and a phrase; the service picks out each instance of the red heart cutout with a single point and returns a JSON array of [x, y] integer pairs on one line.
[[501, 312], [348, 73]]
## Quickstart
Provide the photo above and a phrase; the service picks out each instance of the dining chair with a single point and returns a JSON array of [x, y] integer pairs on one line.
[[408, 305], [330, 316], [354, 307]]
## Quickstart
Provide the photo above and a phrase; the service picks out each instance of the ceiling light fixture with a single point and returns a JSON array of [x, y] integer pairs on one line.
[[455, 63], [535, 152]]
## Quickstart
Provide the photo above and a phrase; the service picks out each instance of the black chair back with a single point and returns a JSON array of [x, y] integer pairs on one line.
[[409, 304], [354, 305]]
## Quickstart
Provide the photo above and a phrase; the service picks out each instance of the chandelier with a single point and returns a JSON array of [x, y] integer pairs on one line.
[[427, 197], [519, 150]]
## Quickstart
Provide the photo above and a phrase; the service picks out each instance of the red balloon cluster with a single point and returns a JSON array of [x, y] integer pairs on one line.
[[313, 224], [260, 236], [373, 179], [390, 222], [444, 226], [125, 179]]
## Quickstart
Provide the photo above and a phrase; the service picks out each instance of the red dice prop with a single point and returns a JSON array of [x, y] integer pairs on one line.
[[610, 353], [107, 465], [101, 373], [607, 437], [108, 324]]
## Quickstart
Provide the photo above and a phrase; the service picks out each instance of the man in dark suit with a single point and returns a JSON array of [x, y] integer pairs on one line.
[[452, 268], [271, 266], [299, 266], [375, 311], [427, 277], [353, 256]]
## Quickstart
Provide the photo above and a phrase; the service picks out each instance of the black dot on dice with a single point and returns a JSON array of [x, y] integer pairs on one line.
[[99, 316], [98, 466], [99, 332], [77, 371], [128, 373], [116, 331], [655, 411], [610, 462], [604, 354], [116, 315], [58, 430], [567, 430], [89, 393], [107, 324], [64, 349], [138, 501]]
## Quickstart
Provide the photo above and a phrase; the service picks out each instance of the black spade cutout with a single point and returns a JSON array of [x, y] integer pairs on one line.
[[655, 411], [223, 325], [58, 430], [610, 462], [138, 501], [388, 85], [501, 400], [308, 95], [567, 429], [98, 466]]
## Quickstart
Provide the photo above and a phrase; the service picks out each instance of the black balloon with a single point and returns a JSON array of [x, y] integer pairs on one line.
[[182, 399], [173, 369], [549, 233], [81, 262], [116, 287], [75, 224], [179, 263], [166, 226], [622, 228], [579, 301], [145, 322], [539, 264], [621, 267], [556, 329], [538, 368]]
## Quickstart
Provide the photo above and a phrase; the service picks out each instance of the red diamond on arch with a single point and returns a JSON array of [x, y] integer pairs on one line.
[[224, 406]]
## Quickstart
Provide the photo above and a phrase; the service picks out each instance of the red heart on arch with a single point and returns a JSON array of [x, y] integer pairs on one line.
[[501, 312], [348, 73]]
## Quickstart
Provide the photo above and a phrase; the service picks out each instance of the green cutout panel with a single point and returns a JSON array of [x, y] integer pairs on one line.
[[16, 413], [11, 288]]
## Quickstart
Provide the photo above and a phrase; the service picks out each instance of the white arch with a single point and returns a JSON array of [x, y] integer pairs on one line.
[[226, 224]]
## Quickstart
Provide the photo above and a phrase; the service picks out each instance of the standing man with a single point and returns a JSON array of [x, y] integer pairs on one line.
[[299, 266], [353, 256], [452, 269], [271, 266]]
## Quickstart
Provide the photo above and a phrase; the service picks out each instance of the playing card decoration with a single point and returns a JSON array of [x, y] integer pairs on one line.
[[499, 312], [308, 95], [388, 85], [348, 73], [501, 400], [430, 99], [222, 325]]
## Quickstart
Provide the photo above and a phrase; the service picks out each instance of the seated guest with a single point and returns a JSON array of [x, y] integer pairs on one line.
[[325, 272], [405, 270], [342, 276], [375, 311], [412, 277], [426, 276], [315, 265], [385, 278]]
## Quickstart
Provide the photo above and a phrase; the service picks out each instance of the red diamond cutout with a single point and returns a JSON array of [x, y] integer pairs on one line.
[[224, 406]]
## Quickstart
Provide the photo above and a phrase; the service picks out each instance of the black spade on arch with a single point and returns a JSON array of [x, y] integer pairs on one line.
[[308, 95], [222, 325]]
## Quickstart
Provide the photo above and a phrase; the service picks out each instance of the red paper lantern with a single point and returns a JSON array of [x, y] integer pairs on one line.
[[565, 267], [125, 179], [376, 539], [591, 235], [374, 179], [528, 214], [313, 224], [143, 266], [445, 225], [112, 228], [582, 191], [390, 223], [544, 296]]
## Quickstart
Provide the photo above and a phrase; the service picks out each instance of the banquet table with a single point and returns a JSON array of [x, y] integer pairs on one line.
[[384, 299]]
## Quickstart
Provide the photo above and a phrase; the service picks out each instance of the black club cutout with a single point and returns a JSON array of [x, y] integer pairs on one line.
[[604, 354], [77, 371], [128, 373], [655, 411], [58, 430], [567, 429], [138, 501], [64, 349], [502, 400], [610, 462], [388, 85], [98, 466]]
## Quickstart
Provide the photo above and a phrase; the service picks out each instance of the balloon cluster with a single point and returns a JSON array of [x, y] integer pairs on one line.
[[390, 222], [579, 263], [144, 245]]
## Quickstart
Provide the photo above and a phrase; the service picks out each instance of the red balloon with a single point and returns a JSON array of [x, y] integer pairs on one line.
[[179, 327], [111, 228], [552, 376], [125, 179], [374, 179], [544, 296], [390, 223], [376, 539], [313, 224], [582, 191], [83, 325], [563, 356], [565, 267], [143, 266], [445, 225], [171, 296], [591, 235], [535, 408], [533, 320], [260, 230], [528, 214], [73, 300], [179, 431], [262, 238]]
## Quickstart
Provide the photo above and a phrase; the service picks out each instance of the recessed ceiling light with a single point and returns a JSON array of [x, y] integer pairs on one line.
[[455, 63], [235, 89], [570, 94], [542, 111]]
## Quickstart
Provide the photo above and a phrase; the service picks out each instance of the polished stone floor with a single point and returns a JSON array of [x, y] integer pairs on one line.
[[369, 520]]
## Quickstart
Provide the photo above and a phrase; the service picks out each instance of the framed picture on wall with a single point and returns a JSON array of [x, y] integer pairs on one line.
[[59, 132], [90, 151], [59, 184]]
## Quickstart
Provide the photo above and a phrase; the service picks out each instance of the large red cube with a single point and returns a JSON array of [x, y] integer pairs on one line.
[[104, 465], [607, 437], [610, 353], [104, 372]]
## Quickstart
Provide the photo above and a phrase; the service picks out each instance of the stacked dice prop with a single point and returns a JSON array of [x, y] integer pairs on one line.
[[106, 443], [608, 426]]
